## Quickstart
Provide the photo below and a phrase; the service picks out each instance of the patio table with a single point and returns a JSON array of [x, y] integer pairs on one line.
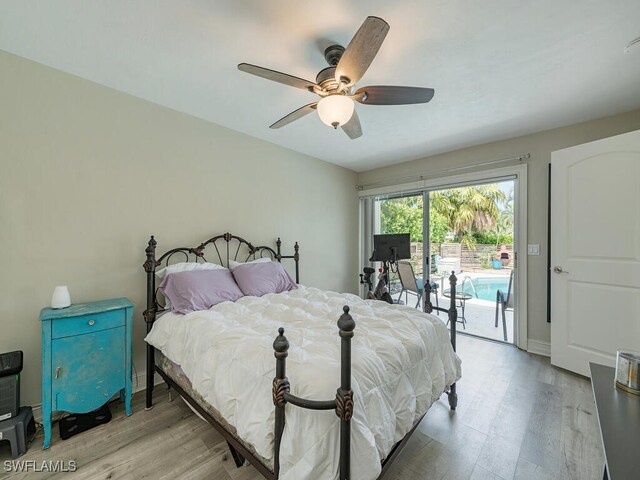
[[462, 297]]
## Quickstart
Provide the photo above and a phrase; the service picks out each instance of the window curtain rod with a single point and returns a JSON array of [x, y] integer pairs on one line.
[[424, 176]]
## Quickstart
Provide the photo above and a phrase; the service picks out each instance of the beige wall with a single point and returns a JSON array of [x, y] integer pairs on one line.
[[540, 146], [88, 173]]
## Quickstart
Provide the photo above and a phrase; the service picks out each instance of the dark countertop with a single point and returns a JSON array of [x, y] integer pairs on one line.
[[619, 418]]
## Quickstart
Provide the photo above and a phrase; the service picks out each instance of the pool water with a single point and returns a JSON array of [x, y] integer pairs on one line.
[[486, 287]]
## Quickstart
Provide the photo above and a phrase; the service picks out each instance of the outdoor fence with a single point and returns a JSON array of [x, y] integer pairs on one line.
[[471, 259]]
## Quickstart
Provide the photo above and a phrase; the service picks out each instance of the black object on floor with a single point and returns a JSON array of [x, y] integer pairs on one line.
[[81, 422], [19, 430], [10, 368]]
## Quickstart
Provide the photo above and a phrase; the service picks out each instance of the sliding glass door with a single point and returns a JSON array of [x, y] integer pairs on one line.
[[403, 214], [468, 229], [472, 233]]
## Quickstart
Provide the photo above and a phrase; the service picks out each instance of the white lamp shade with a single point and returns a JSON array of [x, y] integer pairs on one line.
[[335, 110], [61, 297]]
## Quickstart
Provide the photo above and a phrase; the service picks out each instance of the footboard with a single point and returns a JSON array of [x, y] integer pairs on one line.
[[452, 313], [342, 404]]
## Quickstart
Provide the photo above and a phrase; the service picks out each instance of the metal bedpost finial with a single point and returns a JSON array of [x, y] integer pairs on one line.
[[278, 249], [452, 278], [346, 323], [281, 344], [150, 264]]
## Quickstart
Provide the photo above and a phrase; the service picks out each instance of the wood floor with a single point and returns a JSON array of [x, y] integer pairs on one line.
[[518, 418]]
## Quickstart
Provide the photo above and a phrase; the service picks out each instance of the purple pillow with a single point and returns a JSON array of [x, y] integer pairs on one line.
[[257, 279], [195, 290]]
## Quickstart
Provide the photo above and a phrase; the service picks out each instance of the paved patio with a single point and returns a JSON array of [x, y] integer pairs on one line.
[[479, 314]]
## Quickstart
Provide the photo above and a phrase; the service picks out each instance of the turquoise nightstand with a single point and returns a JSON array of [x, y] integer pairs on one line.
[[86, 357]]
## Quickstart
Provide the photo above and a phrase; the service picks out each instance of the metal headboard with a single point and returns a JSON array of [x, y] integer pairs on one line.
[[222, 247]]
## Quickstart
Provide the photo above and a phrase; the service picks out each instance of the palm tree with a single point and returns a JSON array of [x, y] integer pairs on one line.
[[506, 217], [469, 209]]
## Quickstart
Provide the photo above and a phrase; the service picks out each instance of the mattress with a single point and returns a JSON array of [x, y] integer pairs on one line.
[[402, 361], [177, 375]]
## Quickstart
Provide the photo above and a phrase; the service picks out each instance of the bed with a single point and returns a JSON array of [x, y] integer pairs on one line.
[[389, 362]]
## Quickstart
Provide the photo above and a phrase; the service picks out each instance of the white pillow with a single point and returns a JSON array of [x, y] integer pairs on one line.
[[233, 264], [186, 266]]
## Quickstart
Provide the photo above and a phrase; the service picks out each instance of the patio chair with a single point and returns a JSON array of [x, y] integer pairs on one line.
[[504, 300], [412, 284]]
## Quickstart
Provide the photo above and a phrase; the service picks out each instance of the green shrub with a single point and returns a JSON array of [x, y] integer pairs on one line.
[[491, 238], [438, 227], [486, 260], [404, 215]]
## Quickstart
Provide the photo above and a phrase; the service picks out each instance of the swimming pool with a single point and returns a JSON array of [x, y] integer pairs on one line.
[[486, 287]]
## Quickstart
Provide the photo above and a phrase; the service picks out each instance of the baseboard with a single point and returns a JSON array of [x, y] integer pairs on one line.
[[140, 381], [37, 412], [539, 348], [139, 384]]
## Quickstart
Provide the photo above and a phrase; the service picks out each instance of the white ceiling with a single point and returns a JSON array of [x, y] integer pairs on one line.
[[499, 68]]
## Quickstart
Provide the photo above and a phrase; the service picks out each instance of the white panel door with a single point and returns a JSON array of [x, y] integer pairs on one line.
[[595, 252]]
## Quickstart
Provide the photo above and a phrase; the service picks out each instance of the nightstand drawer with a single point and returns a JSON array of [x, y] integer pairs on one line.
[[66, 327]]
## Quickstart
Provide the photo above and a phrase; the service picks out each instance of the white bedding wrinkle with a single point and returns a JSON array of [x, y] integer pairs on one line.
[[402, 361]]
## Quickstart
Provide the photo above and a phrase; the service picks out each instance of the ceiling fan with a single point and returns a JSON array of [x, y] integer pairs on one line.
[[336, 84]]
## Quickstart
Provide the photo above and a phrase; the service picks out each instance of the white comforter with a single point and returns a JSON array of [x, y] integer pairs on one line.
[[402, 360]]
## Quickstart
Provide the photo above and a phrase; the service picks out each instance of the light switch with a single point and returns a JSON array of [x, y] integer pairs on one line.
[[533, 249]]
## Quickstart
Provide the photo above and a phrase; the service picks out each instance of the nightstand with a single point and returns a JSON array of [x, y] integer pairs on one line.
[[86, 357]]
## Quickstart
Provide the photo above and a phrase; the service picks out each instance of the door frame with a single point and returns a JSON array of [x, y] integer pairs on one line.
[[520, 223]]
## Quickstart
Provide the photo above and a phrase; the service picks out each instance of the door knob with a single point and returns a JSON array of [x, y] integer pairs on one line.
[[558, 269]]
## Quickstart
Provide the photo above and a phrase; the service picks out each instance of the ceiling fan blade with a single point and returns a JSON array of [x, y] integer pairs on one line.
[[392, 95], [277, 76], [295, 115], [353, 127], [362, 49]]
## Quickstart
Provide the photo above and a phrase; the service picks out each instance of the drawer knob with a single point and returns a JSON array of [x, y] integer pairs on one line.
[[92, 322]]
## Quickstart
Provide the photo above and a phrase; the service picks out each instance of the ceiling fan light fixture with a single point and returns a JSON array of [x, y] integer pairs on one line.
[[336, 84], [335, 110]]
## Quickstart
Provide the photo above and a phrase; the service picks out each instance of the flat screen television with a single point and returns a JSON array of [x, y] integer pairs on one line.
[[385, 245]]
